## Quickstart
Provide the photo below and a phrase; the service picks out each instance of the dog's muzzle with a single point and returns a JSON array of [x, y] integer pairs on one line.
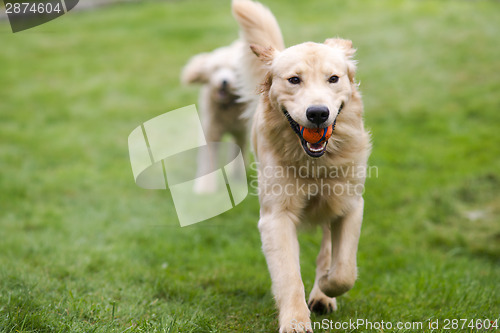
[[311, 149]]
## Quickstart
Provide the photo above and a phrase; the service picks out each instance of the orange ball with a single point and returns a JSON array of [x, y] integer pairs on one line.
[[316, 135]]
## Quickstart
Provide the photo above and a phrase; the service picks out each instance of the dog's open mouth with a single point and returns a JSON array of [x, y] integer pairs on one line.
[[223, 93], [312, 149]]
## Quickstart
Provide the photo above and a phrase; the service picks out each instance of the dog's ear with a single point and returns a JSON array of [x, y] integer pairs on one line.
[[265, 54], [343, 44], [196, 70], [346, 46]]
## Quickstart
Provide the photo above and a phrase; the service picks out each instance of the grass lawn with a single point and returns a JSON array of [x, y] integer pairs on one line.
[[83, 249]]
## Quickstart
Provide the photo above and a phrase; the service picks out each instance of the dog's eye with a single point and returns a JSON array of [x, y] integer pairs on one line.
[[294, 80], [333, 79]]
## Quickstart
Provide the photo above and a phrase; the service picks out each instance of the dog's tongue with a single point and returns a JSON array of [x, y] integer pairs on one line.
[[222, 93]]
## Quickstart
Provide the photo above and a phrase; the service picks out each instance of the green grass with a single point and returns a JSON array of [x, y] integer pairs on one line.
[[83, 249]]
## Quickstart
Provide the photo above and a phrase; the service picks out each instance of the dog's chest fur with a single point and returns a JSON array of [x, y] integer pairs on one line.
[[324, 186]]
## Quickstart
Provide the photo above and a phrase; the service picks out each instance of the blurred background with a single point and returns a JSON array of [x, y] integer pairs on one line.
[[82, 248]]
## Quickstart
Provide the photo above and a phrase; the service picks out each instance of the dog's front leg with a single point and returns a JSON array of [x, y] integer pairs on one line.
[[281, 248], [206, 182], [345, 237]]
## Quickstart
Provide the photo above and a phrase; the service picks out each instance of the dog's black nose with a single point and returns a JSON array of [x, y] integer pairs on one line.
[[224, 84], [317, 114]]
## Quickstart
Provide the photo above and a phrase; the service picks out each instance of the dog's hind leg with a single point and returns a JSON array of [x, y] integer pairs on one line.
[[318, 301], [345, 237]]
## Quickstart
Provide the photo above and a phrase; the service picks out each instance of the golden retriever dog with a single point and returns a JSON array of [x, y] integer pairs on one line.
[[219, 104], [312, 86]]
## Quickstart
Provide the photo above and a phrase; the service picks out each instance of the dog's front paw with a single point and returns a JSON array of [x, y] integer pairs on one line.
[[296, 324], [322, 304], [319, 303], [297, 328]]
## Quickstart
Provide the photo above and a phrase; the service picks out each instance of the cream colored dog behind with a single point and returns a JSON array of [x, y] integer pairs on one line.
[[220, 106], [308, 85]]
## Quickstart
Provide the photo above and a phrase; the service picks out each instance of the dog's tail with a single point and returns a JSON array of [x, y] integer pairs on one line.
[[258, 26]]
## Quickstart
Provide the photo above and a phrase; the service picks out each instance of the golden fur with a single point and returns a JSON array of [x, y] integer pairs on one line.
[[277, 147]]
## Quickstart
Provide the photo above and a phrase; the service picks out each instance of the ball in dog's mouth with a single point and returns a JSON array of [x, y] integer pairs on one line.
[[313, 140]]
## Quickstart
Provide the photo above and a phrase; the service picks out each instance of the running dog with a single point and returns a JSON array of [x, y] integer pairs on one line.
[[306, 87]]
